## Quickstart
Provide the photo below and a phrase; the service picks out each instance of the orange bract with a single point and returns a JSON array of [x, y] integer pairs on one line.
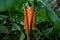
[[27, 19]]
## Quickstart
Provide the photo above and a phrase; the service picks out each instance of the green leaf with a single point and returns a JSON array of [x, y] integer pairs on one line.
[[22, 2], [49, 32], [7, 38], [15, 27], [58, 13], [11, 4], [22, 36], [41, 16], [8, 4], [52, 17], [3, 29], [2, 17], [2, 5]]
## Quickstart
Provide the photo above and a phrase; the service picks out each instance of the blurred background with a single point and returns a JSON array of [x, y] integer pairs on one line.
[[47, 25]]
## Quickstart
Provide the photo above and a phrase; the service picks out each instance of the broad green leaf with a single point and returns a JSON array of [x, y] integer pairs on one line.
[[2, 5], [11, 4], [3, 29], [8, 4], [15, 27], [22, 36], [2, 17], [52, 17]]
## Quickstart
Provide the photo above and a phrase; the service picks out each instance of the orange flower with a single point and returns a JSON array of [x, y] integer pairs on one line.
[[27, 19]]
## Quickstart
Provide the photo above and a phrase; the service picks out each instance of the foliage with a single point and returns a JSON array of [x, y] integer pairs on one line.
[[12, 20]]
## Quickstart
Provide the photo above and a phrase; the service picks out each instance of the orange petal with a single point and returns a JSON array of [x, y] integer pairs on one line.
[[27, 25]]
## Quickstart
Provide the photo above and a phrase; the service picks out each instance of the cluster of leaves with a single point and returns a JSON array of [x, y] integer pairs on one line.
[[12, 21]]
